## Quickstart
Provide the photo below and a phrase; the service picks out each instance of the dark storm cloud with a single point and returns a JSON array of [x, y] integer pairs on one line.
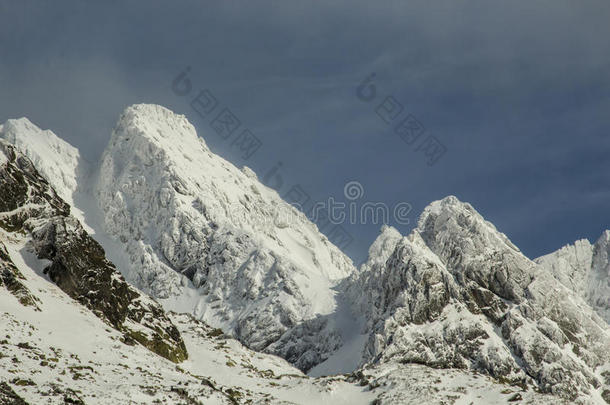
[[516, 91]]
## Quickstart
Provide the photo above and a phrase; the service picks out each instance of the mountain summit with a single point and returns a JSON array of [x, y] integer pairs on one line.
[[208, 238], [456, 293]]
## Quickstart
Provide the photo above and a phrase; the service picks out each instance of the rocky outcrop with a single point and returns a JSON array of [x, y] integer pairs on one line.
[[12, 279], [55, 159], [8, 396], [456, 293], [29, 207]]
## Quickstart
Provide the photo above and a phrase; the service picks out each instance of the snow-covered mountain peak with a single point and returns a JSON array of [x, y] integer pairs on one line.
[[604, 239], [585, 269], [154, 151], [446, 210], [451, 220], [209, 238], [158, 124], [447, 213], [457, 293], [382, 247], [55, 159], [16, 125]]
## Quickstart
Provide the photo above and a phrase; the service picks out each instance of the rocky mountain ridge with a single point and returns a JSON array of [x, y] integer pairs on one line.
[[71, 325], [208, 239], [456, 293]]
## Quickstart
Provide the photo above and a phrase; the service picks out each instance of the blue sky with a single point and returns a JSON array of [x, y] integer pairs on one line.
[[518, 94]]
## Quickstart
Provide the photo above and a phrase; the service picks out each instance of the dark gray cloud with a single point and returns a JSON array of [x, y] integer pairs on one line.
[[518, 92]]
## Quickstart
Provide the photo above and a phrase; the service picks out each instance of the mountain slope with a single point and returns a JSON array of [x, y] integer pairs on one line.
[[65, 354], [31, 213]]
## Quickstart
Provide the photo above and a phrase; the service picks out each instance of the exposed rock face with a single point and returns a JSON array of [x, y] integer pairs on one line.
[[456, 293], [599, 280], [9, 397], [29, 206], [11, 278]]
